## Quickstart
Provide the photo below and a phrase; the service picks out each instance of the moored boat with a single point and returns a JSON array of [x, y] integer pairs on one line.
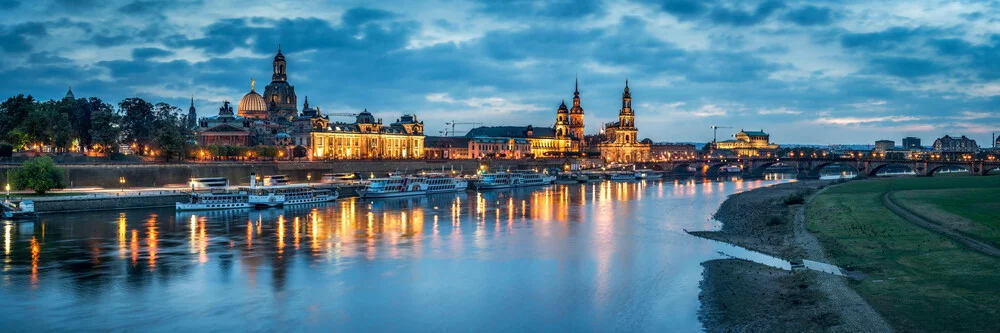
[[212, 201], [15, 210], [647, 174], [440, 182], [590, 177], [621, 175], [567, 178], [392, 186], [290, 194]]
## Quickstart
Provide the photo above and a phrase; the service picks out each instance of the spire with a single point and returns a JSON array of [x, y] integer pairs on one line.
[[252, 83], [576, 85], [279, 48], [306, 106], [192, 100]]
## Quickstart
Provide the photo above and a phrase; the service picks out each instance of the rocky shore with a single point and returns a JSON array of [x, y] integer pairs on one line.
[[743, 296]]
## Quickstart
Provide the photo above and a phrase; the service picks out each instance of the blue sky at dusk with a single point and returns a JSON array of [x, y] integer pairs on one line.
[[805, 71]]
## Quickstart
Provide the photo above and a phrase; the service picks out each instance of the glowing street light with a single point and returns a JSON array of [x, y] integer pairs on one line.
[[121, 180]]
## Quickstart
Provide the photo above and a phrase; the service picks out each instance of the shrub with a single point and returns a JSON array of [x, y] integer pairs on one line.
[[796, 199], [39, 174]]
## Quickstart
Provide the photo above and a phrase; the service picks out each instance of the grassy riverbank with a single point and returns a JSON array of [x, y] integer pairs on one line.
[[919, 280]]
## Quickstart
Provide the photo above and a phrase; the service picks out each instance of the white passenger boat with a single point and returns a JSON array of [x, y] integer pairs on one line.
[[513, 179], [621, 175], [338, 178], [647, 174], [290, 194], [440, 182], [24, 209], [392, 186], [217, 200]]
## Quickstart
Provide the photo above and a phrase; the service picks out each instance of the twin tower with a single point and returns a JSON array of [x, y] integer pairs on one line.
[[569, 122]]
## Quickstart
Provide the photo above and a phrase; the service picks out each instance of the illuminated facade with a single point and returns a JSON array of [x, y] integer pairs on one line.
[[366, 138], [279, 94], [544, 141], [494, 147], [749, 143], [620, 139], [224, 129]]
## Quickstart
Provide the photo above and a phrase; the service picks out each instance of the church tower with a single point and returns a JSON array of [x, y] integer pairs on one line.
[[576, 115], [279, 94], [626, 132], [192, 117], [562, 121]]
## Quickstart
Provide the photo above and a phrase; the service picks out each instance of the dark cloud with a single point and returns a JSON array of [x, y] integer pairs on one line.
[[19, 37], [905, 67], [809, 15], [9, 4], [883, 40], [684, 9], [566, 9], [741, 17], [358, 16], [149, 52]]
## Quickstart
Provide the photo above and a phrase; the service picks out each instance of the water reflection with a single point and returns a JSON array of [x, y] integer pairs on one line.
[[563, 257]]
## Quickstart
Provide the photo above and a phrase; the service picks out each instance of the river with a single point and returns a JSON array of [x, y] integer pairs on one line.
[[590, 257]]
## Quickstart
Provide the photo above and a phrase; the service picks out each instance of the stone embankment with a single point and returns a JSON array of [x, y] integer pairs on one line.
[[107, 201]]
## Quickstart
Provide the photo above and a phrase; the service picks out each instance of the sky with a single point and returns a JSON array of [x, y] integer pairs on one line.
[[807, 72]]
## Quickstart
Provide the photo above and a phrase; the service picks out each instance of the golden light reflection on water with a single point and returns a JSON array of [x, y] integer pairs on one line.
[[36, 253], [152, 242]]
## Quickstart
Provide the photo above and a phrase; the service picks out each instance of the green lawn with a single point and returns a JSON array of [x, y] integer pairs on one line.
[[920, 281], [973, 211]]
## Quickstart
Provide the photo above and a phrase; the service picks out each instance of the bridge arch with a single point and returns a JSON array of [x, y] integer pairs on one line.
[[814, 171], [936, 168], [758, 170], [873, 172], [987, 169]]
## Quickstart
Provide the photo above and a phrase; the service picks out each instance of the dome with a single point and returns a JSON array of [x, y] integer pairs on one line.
[[366, 117], [283, 135], [252, 106]]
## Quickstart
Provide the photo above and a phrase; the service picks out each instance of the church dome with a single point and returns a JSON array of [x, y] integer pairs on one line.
[[252, 106], [366, 117]]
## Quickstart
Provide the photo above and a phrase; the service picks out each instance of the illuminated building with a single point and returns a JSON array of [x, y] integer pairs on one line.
[[446, 147], [224, 129], [499, 147], [576, 117], [366, 138], [948, 144], [252, 105], [883, 146], [672, 151], [619, 139], [752, 143], [279, 94], [543, 141]]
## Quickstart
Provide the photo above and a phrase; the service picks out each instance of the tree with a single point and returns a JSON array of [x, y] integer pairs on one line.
[[138, 121], [12, 113], [266, 151], [299, 152], [104, 129], [39, 174], [169, 141]]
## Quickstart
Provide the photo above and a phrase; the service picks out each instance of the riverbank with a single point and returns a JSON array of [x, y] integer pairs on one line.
[[921, 277], [739, 295]]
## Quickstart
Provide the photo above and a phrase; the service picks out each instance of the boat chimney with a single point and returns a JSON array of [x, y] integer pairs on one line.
[[253, 179]]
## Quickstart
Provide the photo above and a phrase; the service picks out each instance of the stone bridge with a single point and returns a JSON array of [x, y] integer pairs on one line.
[[809, 168]]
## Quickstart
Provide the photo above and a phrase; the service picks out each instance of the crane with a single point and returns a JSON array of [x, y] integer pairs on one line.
[[453, 123], [715, 135]]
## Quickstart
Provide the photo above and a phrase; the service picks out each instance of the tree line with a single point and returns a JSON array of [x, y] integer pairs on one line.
[[92, 124]]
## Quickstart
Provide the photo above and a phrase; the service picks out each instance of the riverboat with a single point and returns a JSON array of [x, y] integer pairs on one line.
[[16, 210], [730, 169], [289, 194], [217, 200], [589, 177], [647, 174], [621, 176], [392, 186], [567, 178], [513, 179], [208, 183], [440, 183], [338, 178]]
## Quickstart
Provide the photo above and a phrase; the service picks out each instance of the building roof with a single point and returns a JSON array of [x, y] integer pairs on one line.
[[492, 139], [511, 131], [252, 105], [225, 127], [446, 141], [755, 133]]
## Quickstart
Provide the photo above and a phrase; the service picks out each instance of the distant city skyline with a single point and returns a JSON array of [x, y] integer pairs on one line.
[[848, 72]]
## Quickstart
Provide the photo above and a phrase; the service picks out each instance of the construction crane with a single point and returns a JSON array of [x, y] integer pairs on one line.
[[715, 135], [453, 123]]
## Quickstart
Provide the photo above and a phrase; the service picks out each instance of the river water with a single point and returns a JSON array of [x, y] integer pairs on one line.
[[590, 257]]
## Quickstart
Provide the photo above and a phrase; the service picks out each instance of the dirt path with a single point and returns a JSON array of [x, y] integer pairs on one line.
[[856, 315], [972, 243]]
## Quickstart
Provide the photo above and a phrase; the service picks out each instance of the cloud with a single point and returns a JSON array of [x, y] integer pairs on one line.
[[905, 67], [809, 15], [848, 121], [781, 110], [740, 17], [149, 52], [882, 40]]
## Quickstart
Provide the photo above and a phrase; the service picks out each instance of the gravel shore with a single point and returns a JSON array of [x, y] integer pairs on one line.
[[743, 296]]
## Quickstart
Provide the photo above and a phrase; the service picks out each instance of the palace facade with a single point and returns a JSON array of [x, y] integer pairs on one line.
[[749, 143], [619, 141], [365, 138]]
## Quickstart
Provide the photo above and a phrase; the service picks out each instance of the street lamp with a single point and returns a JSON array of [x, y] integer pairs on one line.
[[309, 176], [7, 188], [121, 180]]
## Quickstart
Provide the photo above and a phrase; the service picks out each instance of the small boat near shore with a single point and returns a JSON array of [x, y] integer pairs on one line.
[[621, 176], [18, 210], [647, 174]]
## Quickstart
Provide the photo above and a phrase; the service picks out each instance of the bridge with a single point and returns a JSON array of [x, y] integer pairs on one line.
[[810, 168]]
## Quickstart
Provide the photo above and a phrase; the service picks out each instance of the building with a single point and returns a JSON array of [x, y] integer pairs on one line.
[[446, 147], [224, 129], [192, 116], [911, 143], [620, 143], [882, 146], [252, 105], [69, 94], [576, 127], [544, 141], [672, 151], [279, 94], [749, 143], [948, 144], [499, 147], [366, 138]]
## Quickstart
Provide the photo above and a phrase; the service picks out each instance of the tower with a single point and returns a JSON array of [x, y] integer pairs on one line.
[[279, 94], [626, 132], [576, 115], [562, 121], [192, 117]]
